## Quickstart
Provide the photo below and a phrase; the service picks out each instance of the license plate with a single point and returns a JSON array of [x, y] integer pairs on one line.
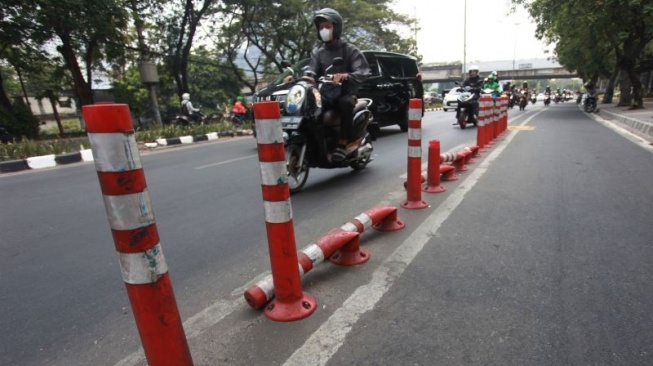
[[290, 122]]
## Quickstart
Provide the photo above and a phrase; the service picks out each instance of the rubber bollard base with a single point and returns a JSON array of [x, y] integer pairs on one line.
[[291, 311], [255, 297], [393, 225], [433, 189], [346, 258], [414, 205]]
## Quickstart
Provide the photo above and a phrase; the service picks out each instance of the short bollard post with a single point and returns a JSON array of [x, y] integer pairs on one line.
[[486, 110], [290, 303], [433, 169], [413, 185], [136, 238]]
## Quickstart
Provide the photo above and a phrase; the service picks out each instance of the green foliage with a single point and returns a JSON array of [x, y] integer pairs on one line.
[[29, 148], [21, 122]]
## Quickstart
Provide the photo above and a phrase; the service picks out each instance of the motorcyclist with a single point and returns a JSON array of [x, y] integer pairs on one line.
[[548, 90], [239, 110], [188, 110], [525, 91], [493, 84], [475, 82], [350, 76]]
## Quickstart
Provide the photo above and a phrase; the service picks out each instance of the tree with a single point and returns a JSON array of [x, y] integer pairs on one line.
[[617, 28], [287, 32], [181, 22], [85, 30]]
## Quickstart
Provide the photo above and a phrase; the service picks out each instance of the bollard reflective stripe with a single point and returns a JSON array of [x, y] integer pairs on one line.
[[129, 211], [267, 132], [414, 133], [144, 267], [414, 151], [115, 152], [365, 220], [273, 173], [278, 212], [414, 114], [314, 253]]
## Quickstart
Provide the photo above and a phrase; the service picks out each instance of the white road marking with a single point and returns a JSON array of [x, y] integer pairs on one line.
[[225, 162]]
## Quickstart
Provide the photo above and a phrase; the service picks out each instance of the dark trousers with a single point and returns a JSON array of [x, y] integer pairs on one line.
[[345, 107]]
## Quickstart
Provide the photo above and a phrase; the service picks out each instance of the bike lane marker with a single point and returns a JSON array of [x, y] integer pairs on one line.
[[325, 342]]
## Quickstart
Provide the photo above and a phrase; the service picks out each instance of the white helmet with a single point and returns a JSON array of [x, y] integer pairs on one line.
[[185, 96], [473, 68]]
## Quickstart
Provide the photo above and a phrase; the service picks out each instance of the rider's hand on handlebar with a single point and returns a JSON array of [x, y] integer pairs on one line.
[[339, 78], [287, 79]]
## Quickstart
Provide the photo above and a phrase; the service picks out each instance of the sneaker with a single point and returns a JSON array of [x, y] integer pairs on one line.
[[340, 154]]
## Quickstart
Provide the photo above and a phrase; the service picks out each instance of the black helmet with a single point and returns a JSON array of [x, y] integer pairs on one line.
[[333, 17]]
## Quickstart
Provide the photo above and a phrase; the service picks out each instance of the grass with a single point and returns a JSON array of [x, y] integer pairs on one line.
[[50, 143]]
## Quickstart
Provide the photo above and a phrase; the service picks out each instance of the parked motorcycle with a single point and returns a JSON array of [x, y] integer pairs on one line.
[[590, 101], [311, 134]]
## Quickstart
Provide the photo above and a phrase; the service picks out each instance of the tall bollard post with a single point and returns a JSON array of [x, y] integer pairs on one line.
[[433, 169], [290, 303], [413, 185], [143, 266]]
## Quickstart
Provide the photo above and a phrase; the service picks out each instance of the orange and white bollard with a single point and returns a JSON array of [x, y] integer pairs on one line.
[[382, 218], [291, 303], [413, 185], [129, 210], [433, 169]]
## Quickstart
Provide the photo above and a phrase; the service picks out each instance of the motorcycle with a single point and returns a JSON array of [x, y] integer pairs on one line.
[[590, 101], [185, 121], [467, 109], [523, 101], [547, 99], [311, 134]]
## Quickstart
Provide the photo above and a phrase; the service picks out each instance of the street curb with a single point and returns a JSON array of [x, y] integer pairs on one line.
[[50, 161], [432, 109], [645, 129]]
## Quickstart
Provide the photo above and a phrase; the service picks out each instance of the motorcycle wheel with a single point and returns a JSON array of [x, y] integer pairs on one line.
[[590, 107], [297, 175], [462, 119]]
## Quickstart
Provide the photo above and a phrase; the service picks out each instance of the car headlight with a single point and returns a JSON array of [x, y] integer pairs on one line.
[[295, 98]]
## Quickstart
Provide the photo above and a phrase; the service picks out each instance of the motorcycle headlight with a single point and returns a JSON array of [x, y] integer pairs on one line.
[[296, 96]]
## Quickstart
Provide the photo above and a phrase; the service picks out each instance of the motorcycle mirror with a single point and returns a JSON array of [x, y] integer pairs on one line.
[[338, 61]]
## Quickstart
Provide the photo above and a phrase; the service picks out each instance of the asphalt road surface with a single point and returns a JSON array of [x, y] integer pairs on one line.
[[539, 255]]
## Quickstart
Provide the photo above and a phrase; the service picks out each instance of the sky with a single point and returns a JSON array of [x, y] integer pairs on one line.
[[492, 35]]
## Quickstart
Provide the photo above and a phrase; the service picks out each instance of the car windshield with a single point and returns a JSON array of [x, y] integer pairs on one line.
[[297, 68]]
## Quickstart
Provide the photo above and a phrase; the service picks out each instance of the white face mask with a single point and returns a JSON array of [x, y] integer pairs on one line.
[[325, 34]]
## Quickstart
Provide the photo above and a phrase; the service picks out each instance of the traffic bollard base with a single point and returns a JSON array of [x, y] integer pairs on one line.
[[350, 258], [433, 189], [414, 205], [291, 311]]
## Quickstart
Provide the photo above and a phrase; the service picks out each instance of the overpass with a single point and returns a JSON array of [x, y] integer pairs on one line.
[[535, 69]]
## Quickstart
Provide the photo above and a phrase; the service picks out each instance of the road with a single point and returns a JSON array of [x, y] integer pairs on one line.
[[539, 255]]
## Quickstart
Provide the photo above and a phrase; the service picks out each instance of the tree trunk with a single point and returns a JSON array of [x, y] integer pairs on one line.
[[637, 101], [80, 86], [609, 89], [55, 112], [624, 87], [5, 102]]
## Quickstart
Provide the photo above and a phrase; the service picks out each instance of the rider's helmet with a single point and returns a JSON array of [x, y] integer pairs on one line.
[[332, 16], [473, 68], [239, 98], [525, 85], [185, 96]]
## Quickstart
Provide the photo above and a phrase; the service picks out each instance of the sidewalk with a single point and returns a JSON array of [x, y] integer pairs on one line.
[[639, 122]]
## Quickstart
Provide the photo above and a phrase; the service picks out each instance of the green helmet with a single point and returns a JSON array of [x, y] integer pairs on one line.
[[239, 98]]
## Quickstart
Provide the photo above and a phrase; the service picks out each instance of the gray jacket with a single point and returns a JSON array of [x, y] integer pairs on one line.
[[355, 64]]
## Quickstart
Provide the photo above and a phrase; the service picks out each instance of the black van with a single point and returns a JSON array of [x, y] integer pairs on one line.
[[394, 79]]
